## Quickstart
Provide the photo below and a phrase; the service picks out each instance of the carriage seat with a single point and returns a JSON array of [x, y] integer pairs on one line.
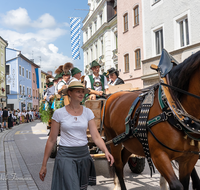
[[166, 64]]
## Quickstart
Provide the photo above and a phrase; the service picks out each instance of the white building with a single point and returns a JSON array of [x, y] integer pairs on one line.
[[169, 24], [100, 35]]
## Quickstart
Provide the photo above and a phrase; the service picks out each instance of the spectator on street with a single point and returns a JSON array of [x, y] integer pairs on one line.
[[73, 121], [10, 120], [5, 117]]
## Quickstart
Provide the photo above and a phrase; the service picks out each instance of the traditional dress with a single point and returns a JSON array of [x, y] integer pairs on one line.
[[74, 167]]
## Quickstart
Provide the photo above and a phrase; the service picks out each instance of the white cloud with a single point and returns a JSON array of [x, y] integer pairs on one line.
[[37, 43], [17, 19], [45, 21]]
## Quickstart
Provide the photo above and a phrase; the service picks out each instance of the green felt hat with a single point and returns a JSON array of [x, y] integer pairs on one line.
[[56, 77], [75, 70], [94, 63], [66, 73], [49, 84], [105, 74]]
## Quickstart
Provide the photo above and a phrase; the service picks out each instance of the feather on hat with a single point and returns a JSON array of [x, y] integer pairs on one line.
[[67, 67], [59, 70]]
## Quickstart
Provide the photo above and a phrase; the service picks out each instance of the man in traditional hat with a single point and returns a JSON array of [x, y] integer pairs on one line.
[[58, 77], [76, 74], [97, 84], [66, 74], [114, 77], [50, 90]]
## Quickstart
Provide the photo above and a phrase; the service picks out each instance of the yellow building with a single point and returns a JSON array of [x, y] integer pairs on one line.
[[43, 81], [3, 71]]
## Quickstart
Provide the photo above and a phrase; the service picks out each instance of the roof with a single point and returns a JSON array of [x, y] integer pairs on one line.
[[28, 60], [44, 72], [4, 41]]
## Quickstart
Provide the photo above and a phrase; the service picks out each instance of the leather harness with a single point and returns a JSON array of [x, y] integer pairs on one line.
[[174, 115]]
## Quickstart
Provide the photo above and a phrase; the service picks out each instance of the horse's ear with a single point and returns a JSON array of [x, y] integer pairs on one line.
[[154, 67]]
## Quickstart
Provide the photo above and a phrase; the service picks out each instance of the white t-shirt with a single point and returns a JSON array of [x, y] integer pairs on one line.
[[96, 79], [73, 128]]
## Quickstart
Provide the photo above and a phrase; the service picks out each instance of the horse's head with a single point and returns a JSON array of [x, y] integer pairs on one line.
[[186, 76]]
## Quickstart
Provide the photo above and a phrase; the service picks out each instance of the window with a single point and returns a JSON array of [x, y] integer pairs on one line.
[[23, 90], [2, 59], [36, 93], [34, 77], [91, 53], [137, 59], [27, 74], [27, 90], [95, 26], [86, 34], [23, 71], [136, 15], [41, 84], [125, 22], [159, 41], [20, 89], [102, 47], [100, 19], [116, 40], [30, 91], [20, 70], [184, 32], [126, 62], [7, 89], [96, 51], [90, 30], [7, 69]]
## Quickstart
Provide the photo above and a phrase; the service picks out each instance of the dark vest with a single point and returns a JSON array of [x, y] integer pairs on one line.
[[92, 81]]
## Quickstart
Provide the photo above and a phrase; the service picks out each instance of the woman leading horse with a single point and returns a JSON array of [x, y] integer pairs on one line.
[[165, 142]]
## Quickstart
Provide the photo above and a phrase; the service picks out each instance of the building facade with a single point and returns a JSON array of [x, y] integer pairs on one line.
[[35, 89], [100, 35], [130, 41], [3, 97], [43, 84], [172, 25], [19, 80]]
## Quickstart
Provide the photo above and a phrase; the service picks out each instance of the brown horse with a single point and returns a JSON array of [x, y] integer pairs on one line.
[[185, 76]]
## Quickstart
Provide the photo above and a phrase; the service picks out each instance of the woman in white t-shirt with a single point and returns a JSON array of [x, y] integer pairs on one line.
[[73, 167]]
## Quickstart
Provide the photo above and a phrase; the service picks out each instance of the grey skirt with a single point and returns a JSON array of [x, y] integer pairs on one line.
[[73, 169]]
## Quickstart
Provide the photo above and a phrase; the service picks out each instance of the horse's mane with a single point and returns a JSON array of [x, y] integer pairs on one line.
[[180, 74]]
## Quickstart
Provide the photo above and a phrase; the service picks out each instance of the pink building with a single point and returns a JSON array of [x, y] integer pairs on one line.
[[35, 90], [130, 41]]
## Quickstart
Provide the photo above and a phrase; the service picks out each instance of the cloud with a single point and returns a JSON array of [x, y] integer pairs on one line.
[[37, 44], [19, 20], [45, 21]]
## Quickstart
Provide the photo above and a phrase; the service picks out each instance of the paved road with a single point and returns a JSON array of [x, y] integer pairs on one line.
[[23, 149]]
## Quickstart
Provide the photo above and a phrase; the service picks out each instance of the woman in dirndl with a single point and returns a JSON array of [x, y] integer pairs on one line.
[[73, 167]]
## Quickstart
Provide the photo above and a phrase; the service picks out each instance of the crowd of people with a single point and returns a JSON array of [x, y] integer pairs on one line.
[[10, 118]]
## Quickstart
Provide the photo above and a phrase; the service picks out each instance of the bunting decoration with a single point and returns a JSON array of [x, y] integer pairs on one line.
[[75, 25]]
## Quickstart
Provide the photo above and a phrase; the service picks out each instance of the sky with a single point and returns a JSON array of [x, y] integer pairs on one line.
[[40, 29]]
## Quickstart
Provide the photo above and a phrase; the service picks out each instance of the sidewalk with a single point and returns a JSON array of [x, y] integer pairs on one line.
[[14, 174]]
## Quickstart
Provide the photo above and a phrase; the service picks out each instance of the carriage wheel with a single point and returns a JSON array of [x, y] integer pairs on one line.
[[54, 151], [136, 165]]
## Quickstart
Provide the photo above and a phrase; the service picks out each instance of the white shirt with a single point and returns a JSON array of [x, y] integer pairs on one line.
[[96, 79], [73, 79], [61, 83], [113, 83], [73, 128]]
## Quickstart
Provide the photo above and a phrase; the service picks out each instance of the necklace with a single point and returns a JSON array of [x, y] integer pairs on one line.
[[72, 109]]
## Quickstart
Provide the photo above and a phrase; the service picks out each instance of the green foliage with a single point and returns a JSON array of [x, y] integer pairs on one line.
[[59, 103], [45, 112]]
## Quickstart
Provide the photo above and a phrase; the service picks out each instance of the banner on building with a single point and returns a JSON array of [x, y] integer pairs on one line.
[[38, 76], [75, 25]]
